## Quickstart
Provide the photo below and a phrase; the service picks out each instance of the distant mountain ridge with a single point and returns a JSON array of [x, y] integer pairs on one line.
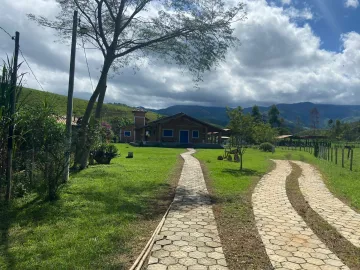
[[290, 112]]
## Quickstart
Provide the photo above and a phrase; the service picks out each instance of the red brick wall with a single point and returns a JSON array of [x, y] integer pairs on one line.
[[124, 139]]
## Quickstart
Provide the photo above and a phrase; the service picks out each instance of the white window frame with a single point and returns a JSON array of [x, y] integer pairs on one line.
[[198, 136], [126, 135], [167, 129]]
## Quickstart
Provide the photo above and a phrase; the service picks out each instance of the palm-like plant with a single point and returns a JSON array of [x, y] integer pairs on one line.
[[6, 116]]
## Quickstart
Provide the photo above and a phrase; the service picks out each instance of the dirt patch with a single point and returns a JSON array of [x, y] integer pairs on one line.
[[347, 252], [241, 242], [150, 221]]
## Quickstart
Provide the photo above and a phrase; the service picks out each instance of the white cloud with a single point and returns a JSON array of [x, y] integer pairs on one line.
[[279, 61], [286, 2], [352, 3], [299, 14]]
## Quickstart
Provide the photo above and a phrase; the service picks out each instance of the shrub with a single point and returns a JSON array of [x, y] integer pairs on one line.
[[266, 147], [106, 133], [40, 143], [104, 153]]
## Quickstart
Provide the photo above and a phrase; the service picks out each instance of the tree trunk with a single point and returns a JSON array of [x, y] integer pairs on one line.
[[241, 162], [84, 142], [100, 103]]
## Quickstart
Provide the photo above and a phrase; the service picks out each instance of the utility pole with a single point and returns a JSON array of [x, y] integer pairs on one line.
[[12, 113], [70, 98]]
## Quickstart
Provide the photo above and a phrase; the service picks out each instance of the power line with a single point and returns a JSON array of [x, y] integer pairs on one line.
[[27, 63], [7, 32], [87, 63], [31, 69]]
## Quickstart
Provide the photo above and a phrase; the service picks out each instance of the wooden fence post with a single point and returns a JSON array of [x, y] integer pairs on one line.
[[342, 156], [336, 155], [351, 159], [331, 154]]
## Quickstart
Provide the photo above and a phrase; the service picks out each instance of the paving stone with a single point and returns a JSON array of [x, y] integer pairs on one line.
[[288, 241], [290, 265], [309, 266], [197, 254], [179, 254], [156, 267], [188, 248], [215, 255], [153, 260], [189, 236], [168, 260], [207, 261], [188, 261], [198, 267], [177, 267]]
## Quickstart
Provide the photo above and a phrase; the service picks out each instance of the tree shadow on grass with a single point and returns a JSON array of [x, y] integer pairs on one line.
[[244, 172], [137, 202], [5, 217], [8, 213]]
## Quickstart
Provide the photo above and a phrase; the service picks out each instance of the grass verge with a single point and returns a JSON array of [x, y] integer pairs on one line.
[[103, 219], [231, 192], [347, 252]]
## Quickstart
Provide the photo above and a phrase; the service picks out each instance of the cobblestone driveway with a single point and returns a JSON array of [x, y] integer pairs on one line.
[[189, 239], [289, 243]]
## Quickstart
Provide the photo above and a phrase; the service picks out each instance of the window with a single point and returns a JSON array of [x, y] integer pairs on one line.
[[167, 133], [127, 133], [195, 134]]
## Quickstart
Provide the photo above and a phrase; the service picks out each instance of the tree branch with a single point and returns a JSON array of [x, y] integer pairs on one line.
[[110, 11], [100, 46], [145, 44], [103, 38], [101, 29], [137, 10]]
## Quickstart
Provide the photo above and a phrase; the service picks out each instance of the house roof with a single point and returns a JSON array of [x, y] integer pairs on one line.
[[301, 137], [139, 110], [211, 128], [284, 137], [62, 120]]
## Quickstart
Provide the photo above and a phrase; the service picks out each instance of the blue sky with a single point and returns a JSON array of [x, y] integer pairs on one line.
[[331, 19]]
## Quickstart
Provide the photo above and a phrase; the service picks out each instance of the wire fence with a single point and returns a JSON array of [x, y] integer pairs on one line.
[[344, 154]]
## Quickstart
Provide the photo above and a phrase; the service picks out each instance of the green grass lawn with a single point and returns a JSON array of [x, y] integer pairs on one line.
[[103, 218]]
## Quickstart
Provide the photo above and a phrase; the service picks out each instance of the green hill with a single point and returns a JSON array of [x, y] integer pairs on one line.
[[290, 113], [59, 103]]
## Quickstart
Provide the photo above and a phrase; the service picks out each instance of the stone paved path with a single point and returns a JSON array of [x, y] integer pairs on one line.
[[334, 211], [289, 243], [189, 239]]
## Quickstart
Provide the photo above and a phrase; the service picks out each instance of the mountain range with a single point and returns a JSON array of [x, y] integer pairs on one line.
[[290, 112]]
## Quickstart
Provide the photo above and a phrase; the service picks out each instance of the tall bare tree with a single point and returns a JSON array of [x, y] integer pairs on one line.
[[191, 33]]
